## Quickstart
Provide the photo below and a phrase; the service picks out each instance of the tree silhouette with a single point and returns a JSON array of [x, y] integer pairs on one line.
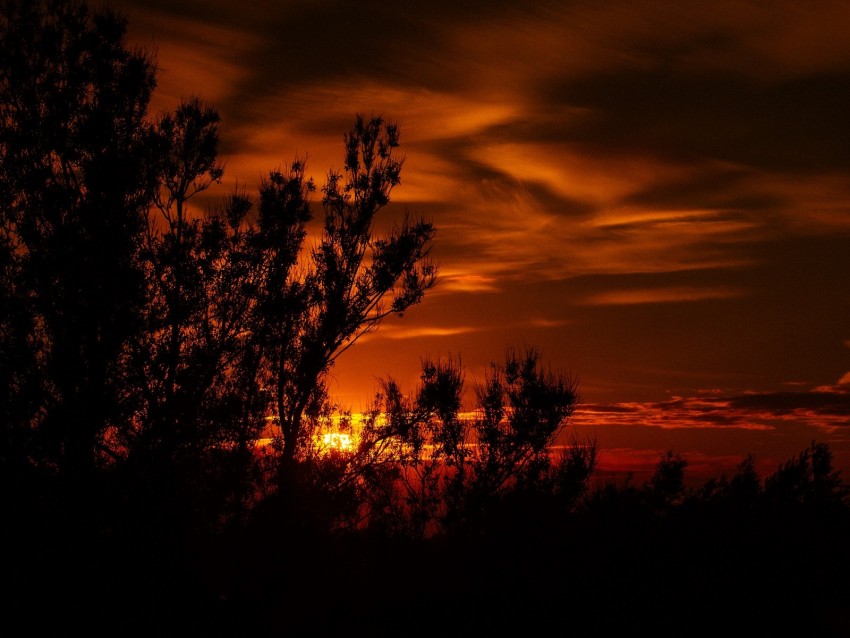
[[574, 470], [807, 481], [77, 178], [428, 470], [140, 335], [666, 486], [318, 308], [425, 444], [197, 411]]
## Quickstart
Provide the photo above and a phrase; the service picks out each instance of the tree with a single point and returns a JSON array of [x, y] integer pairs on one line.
[[807, 481], [144, 343], [427, 469], [425, 443], [197, 411], [574, 469], [314, 310], [76, 176], [523, 407], [745, 486], [667, 483], [189, 139]]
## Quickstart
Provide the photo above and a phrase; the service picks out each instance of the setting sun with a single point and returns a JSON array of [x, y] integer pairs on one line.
[[338, 441]]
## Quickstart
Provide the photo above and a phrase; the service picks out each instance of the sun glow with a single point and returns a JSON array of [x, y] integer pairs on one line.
[[337, 441]]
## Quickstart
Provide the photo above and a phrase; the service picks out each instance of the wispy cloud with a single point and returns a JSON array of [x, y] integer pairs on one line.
[[398, 332], [456, 281], [824, 408], [194, 57], [548, 323], [675, 294]]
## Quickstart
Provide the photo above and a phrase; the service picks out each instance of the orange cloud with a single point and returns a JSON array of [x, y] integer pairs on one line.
[[671, 294], [396, 332], [814, 203], [823, 408], [193, 57], [515, 233], [576, 172], [548, 323], [782, 40], [458, 281]]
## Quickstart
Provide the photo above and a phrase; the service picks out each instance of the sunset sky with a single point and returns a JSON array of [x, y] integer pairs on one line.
[[655, 194]]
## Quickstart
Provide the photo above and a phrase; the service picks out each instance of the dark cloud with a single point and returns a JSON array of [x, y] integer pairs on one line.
[[818, 407], [724, 187], [404, 44], [797, 125], [606, 409], [827, 403]]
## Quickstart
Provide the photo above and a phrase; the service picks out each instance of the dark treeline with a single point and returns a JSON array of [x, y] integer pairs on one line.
[[146, 347]]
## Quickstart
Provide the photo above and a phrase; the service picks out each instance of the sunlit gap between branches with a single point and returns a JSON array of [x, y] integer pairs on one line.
[[342, 434]]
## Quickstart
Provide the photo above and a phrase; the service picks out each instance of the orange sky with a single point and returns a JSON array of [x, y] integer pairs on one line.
[[656, 194]]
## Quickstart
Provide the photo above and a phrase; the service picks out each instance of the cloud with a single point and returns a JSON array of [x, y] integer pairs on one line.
[[194, 57], [635, 140], [456, 281], [674, 294], [828, 403], [396, 332], [548, 323], [827, 409], [526, 228]]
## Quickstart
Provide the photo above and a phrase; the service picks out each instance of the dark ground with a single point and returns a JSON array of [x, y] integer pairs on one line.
[[594, 575]]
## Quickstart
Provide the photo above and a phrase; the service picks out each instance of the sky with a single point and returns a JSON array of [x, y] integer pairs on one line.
[[654, 194]]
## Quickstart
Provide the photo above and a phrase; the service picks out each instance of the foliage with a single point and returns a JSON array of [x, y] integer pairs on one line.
[[668, 480], [76, 173], [428, 469], [347, 285], [147, 345], [807, 480]]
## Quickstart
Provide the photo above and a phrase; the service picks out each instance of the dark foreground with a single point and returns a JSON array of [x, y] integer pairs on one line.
[[609, 570]]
